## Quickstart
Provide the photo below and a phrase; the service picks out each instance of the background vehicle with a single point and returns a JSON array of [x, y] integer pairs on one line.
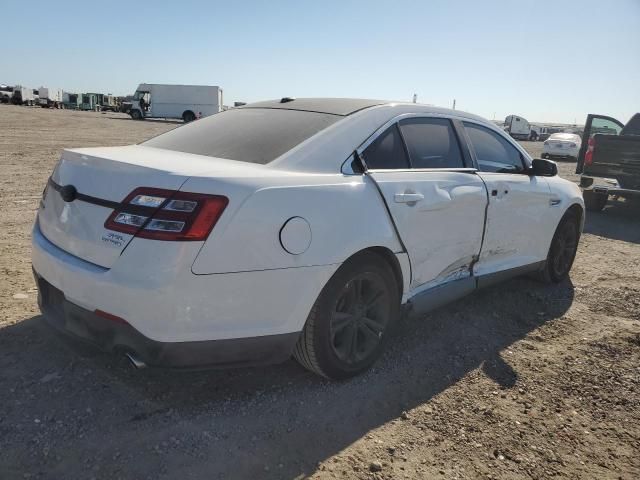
[[22, 96], [90, 102], [609, 160], [6, 92], [517, 127], [243, 209], [543, 132], [71, 100], [110, 103], [561, 145], [50, 97], [187, 102]]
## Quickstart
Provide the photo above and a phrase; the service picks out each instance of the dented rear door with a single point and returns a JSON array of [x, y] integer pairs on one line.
[[435, 199]]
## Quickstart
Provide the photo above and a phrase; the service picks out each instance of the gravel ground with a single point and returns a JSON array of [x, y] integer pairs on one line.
[[521, 380]]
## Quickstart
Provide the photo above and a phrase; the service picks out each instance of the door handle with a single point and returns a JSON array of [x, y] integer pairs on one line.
[[408, 197]]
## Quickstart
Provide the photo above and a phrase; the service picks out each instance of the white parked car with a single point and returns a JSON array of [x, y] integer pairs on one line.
[[299, 226], [562, 145]]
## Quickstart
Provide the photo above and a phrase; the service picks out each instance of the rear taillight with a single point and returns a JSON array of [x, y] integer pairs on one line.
[[170, 215], [588, 156]]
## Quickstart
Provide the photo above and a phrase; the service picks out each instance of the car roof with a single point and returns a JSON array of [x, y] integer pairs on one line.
[[332, 106]]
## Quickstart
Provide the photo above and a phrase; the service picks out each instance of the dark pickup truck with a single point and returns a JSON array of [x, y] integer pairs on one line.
[[609, 160]]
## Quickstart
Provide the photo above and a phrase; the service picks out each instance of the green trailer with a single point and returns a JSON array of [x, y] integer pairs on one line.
[[90, 102], [71, 101]]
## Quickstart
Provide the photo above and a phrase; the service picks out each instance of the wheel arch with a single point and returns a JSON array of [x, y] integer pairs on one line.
[[390, 258], [577, 210]]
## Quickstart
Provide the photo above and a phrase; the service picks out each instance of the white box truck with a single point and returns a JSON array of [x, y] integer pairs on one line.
[[50, 97], [22, 96], [188, 102], [517, 127]]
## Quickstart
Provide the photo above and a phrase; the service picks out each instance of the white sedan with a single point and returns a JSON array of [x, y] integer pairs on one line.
[[562, 145], [296, 227]]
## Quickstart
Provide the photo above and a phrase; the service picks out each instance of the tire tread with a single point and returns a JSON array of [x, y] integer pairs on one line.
[[304, 351]]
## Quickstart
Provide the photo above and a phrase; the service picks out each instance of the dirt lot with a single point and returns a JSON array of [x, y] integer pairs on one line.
[[518, 381]]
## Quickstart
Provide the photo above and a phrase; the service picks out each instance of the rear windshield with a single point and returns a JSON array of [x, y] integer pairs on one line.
[[565, 136], [256, 135]]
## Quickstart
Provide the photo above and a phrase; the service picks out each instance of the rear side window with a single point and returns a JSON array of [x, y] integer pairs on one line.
[[432, 143], [387, 151], [256, 135], [494, 153]]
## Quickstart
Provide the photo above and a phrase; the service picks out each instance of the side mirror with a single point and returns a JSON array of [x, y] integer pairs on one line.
[[543, 168]]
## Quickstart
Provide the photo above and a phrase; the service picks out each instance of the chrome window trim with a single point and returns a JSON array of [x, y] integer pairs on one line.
[[346, 165], [453, 169]]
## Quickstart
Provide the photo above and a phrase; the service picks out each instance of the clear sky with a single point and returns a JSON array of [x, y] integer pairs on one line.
[[546, 60]]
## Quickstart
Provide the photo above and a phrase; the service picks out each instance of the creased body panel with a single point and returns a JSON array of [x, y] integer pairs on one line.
[[442, 231]]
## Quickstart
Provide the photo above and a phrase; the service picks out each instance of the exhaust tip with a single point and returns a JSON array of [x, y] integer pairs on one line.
[[135, 361]]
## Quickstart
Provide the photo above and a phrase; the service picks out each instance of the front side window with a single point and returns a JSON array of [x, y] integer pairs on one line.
[[432, 143], [494, 153], [387, 151]]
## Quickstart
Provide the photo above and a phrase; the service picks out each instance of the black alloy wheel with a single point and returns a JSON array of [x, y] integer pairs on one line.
[[359, 317], [352, 319]]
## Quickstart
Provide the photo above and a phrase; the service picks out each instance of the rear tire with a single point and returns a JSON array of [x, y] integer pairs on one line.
[[188, 116], [350, 322], [563, 249], [594, 202]]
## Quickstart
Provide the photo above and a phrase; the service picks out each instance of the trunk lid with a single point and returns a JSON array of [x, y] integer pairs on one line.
[[108, 175]]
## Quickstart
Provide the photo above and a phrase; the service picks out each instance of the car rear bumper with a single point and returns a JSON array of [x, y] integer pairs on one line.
[[166, 303], [112, 335], [560, 153]]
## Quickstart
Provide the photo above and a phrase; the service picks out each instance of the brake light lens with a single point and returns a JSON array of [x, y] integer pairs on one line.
[[168, 215], [588, 156]]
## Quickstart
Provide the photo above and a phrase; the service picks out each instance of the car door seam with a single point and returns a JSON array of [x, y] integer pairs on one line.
[[393, 223], [484, 226]]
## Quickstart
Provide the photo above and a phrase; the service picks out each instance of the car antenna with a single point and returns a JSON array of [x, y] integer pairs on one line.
[[287, 99]]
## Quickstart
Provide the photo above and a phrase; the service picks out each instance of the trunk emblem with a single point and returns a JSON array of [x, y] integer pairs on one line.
[[68, 193]]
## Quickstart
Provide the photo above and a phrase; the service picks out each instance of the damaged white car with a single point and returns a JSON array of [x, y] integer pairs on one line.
[[292, 227]]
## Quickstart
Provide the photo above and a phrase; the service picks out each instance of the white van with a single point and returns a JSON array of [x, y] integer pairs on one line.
[[188, 102]]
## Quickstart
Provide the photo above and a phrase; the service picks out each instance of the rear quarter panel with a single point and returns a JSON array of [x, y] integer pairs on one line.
[[345, 214]]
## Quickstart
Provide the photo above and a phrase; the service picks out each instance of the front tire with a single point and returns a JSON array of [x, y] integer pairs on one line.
[[350, 322], [594, 202], [563, 249], [136, 114]]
